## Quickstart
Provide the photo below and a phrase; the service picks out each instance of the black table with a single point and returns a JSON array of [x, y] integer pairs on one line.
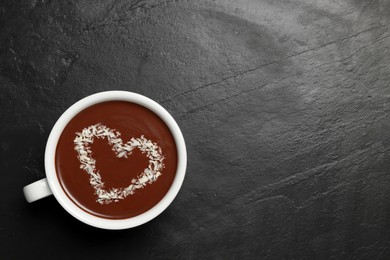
[[283, 104]]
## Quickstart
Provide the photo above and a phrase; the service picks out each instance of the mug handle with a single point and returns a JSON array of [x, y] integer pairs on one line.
[[37, 190]]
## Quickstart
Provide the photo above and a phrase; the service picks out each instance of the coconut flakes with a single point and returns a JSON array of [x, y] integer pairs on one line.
[[85, 138]]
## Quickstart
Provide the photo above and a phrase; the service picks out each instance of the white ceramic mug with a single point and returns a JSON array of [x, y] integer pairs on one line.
[[51, 185]]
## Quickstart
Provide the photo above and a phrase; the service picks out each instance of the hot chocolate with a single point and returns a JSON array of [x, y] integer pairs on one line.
[[116, 159]]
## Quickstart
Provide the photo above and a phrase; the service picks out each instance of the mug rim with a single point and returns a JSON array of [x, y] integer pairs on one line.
[[69, 205]]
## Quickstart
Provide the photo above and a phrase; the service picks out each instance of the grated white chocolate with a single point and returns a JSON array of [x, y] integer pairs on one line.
[[85, 138]]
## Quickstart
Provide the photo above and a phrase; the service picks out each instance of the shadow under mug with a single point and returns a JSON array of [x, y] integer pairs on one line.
[[51, 185]]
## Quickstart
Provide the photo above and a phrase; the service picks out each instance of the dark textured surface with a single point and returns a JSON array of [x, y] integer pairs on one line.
[[284, 106]]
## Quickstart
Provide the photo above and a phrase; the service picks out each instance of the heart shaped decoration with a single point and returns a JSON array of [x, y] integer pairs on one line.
[[85, 138]]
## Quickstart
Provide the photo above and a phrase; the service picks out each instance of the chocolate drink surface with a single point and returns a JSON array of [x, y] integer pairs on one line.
[[116, 159]]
